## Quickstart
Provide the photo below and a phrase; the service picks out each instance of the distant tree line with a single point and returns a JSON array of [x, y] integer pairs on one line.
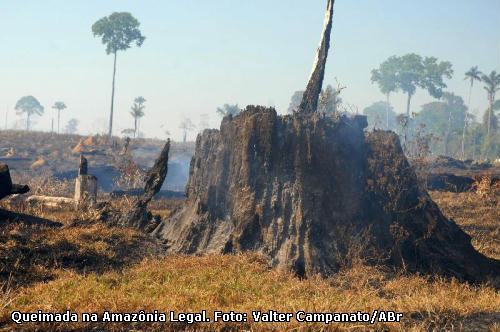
[[445, 126]]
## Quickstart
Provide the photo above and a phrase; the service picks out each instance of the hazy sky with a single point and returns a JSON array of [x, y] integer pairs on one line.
[[201, 54]]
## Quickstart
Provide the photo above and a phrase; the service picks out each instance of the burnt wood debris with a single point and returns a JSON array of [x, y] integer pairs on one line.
[[138, 216], [8, 188]]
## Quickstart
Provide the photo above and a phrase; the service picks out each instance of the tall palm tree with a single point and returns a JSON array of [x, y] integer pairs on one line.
[[472, 75], [137, 112], [492, 86], [59, 106]]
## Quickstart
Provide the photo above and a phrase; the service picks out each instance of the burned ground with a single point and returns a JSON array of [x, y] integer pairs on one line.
[[238, 282], [33, 249], [38, 156]]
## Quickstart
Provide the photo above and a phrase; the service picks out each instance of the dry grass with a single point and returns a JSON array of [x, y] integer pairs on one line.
[[478, 215], [92, 268], [244, 283]]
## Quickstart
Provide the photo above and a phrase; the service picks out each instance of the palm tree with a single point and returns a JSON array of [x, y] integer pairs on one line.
[[59, 106], [29, 105], [472, 75], [492, 85], [137, 112]]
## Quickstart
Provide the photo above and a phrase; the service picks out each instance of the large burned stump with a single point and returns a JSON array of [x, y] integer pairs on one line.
[[308, 191]]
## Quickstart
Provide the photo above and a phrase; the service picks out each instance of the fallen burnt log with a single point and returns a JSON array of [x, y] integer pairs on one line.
[[446, 162], [10, 159], [449, 182], [51, 202], [6, 186]]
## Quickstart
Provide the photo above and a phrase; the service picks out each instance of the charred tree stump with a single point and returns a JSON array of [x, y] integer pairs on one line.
[[308, 191], [85, 185], [85, 189], [6, 186], [138, 216]]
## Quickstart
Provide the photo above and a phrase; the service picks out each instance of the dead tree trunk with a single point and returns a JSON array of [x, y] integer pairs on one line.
[[5, 181], [309, 102]]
